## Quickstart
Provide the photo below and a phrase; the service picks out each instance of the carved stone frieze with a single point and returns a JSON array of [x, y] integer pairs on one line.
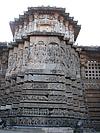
[[45, 23], [31, 121]]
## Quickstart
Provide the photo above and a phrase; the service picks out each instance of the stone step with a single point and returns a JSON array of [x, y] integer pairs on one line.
[[43, 130], [38, 130]]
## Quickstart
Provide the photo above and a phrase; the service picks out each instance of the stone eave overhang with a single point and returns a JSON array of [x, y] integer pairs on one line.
[[35, 33], [11, 45], [38, 33], [3, 45], [45, 10], [89, 49]]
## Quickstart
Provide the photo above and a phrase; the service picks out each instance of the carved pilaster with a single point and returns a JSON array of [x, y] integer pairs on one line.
[[83, 63], [19, 33], [25, 55], [35, 21], [30, 25], [71, 34], [14, 66], [10, 62], [19, 57], [66, 30]]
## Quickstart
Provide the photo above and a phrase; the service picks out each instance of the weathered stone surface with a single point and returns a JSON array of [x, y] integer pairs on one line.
[[43, 84], [39, 130]]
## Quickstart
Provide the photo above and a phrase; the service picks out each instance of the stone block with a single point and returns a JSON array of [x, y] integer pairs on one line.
[[58, 130]]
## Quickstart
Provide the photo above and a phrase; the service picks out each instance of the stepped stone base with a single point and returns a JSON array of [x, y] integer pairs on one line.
[[45, 130], [39, 130]]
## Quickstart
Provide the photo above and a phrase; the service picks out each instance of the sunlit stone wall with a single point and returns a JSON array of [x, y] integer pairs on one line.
[[43, 84]]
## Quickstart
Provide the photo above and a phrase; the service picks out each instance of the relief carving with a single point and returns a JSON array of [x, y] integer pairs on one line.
[[35, 23], [66, 30], [14, 60], [19, 58], [43, 111], [16, 32], [19, 32], [42, 121], [25, 29], [71, 34], [26, 53], [10, 62], [30, 25]]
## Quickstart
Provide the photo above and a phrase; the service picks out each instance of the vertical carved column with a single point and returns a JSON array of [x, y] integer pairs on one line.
[[19, 34], [14, 60], [10, 62], [83, 65], [30, 26], [3, 68], [25, 55], [25, 28], [19, 57], [56, 23], [16, 33], [35, 21], [62, 27], [71, 34], [66, 31]]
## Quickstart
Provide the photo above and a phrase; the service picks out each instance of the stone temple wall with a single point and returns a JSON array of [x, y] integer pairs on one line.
[[90, 73], [45, 80], [3, 67], [43, 85]]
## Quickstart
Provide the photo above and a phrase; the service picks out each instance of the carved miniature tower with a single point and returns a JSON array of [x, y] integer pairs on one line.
[[43, 80]]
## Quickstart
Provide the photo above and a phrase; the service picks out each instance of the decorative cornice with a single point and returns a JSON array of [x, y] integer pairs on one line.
[[3, 45], [45, 10], [90, 48]]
